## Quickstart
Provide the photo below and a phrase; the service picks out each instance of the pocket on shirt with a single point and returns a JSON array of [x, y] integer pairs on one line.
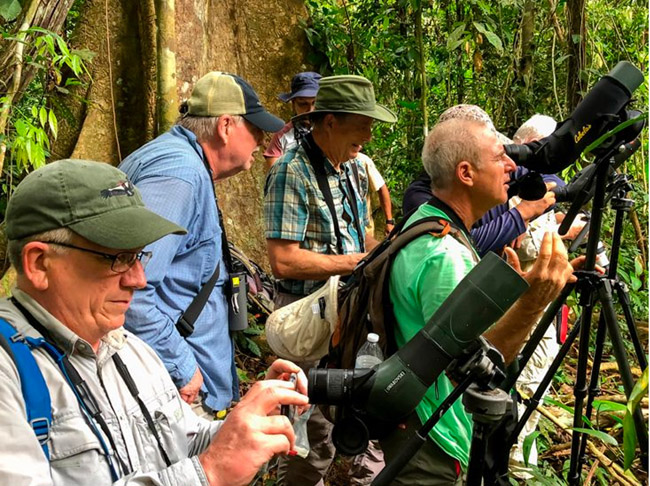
[[75, 451], [168, 419]]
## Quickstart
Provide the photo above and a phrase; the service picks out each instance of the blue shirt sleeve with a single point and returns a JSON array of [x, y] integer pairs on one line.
[[144, 317], [494, 230]]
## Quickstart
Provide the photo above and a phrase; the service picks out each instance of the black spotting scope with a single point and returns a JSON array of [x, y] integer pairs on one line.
[[600, 111], [372, 401]]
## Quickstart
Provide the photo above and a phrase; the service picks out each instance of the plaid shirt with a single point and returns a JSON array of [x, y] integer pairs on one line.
[[295, 209]]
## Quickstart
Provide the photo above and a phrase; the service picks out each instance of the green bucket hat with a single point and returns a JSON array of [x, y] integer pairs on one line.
[[93, 199], [349, 94]]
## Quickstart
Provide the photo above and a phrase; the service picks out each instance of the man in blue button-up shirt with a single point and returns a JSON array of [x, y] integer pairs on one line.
[[216, 137]]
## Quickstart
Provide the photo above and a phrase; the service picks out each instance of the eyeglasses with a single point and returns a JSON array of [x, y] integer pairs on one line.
[[120, 262]]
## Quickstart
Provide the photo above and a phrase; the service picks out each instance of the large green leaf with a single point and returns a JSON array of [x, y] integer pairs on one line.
[[528, 445], [492, 38], [9, 9], [629, 432], [599, 434]]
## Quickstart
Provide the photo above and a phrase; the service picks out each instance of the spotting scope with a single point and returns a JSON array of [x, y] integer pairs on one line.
[[371, 401]]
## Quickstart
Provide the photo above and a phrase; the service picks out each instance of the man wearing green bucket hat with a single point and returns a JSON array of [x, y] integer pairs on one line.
[[315, 218], [83, 400]]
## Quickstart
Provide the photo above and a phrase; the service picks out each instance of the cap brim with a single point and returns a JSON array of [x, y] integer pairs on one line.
[[132, 227], [265, 121], [380, 113], [301, 93]]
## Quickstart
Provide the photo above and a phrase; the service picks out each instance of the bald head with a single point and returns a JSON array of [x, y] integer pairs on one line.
[[449, 143]]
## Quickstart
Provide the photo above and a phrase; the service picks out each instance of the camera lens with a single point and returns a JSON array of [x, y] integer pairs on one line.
[[330, 386]]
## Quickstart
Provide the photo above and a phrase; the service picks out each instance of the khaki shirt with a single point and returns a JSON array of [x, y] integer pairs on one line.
[[76, 457]]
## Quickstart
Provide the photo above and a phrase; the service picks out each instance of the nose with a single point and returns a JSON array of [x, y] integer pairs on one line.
[[134, 277], [510, 165]]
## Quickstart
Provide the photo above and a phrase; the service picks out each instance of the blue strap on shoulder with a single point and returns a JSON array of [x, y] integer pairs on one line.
[[34, 388]]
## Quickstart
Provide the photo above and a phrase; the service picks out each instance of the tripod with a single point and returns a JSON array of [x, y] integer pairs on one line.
[[592, 288]]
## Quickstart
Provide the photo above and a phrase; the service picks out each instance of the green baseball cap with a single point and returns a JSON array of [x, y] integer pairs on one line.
[[218, 93], [349, 94], [93, 199]]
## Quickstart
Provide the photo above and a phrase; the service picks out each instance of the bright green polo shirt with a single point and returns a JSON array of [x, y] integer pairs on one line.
[[423, 275]]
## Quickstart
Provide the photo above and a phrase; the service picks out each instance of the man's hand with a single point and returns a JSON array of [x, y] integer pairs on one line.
[[190, 391], [529, 210], [550, 273], [251, 436]]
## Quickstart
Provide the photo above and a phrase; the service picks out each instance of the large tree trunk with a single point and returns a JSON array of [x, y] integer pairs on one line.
[[261, 40], [576, 48]]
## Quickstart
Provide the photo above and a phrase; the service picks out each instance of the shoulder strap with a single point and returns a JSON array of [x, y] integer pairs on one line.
[[32, 383], [185, 324], [353, 202], [316, 162]]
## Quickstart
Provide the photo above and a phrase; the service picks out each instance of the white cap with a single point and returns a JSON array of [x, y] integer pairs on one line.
[[373, 338]]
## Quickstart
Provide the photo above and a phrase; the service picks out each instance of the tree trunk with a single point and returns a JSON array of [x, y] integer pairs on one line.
[[576, 48], [167, 100], [525, 70], [261, 40]]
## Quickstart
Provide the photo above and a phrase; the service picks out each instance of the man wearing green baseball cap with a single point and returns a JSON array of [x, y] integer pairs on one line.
[[183, 312], [83, 400], [315, 219]]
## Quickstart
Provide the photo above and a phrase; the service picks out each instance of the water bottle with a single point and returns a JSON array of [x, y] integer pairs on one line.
[[370, 354]]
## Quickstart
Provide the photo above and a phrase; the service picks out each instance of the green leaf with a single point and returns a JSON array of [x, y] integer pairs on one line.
[[636, 283], [566, 408], [629, 432], [528, 445], [410, 105], [53, 123], [494, 40], [490, 36], [9, 9], [42, 116], [604, 437], [638, 265], [454, 37]]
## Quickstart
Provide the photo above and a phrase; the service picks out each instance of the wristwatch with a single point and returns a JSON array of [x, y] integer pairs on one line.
[[390, 221]]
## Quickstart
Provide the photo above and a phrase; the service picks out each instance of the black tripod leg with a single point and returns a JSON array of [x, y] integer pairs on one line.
[[580, 387], [594, 382], [605, 294], [624, 300]]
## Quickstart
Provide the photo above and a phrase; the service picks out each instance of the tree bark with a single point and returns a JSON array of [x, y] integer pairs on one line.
[[167, 96], [576, 48], [422, 68]]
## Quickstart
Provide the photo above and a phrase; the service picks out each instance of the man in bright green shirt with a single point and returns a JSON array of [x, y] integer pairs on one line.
[[470, 171]]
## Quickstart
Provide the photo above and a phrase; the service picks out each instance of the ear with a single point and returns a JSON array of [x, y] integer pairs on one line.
[[465, 173], [36, 264], [225, 126], [329, 121]]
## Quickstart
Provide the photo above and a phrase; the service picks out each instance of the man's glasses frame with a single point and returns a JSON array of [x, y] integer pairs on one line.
[[120, 262]]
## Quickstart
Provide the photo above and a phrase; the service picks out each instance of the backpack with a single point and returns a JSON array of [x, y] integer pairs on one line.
[[32, 383], [364, 301]]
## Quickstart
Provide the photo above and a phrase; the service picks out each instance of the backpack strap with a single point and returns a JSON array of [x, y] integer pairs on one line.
[[32, 383]]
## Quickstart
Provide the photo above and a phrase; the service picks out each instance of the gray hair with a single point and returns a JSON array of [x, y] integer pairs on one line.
[[536, 127], [467, 112], [449, 143], [203, 127], [15, 247]]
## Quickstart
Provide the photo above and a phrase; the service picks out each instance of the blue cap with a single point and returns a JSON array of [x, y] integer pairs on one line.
[[302, 85]]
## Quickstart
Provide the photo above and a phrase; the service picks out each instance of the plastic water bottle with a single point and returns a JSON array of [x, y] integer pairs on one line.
[[370, 354]]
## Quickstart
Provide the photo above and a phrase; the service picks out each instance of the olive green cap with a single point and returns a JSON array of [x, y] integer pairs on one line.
[[349, 94], [93, 199]]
